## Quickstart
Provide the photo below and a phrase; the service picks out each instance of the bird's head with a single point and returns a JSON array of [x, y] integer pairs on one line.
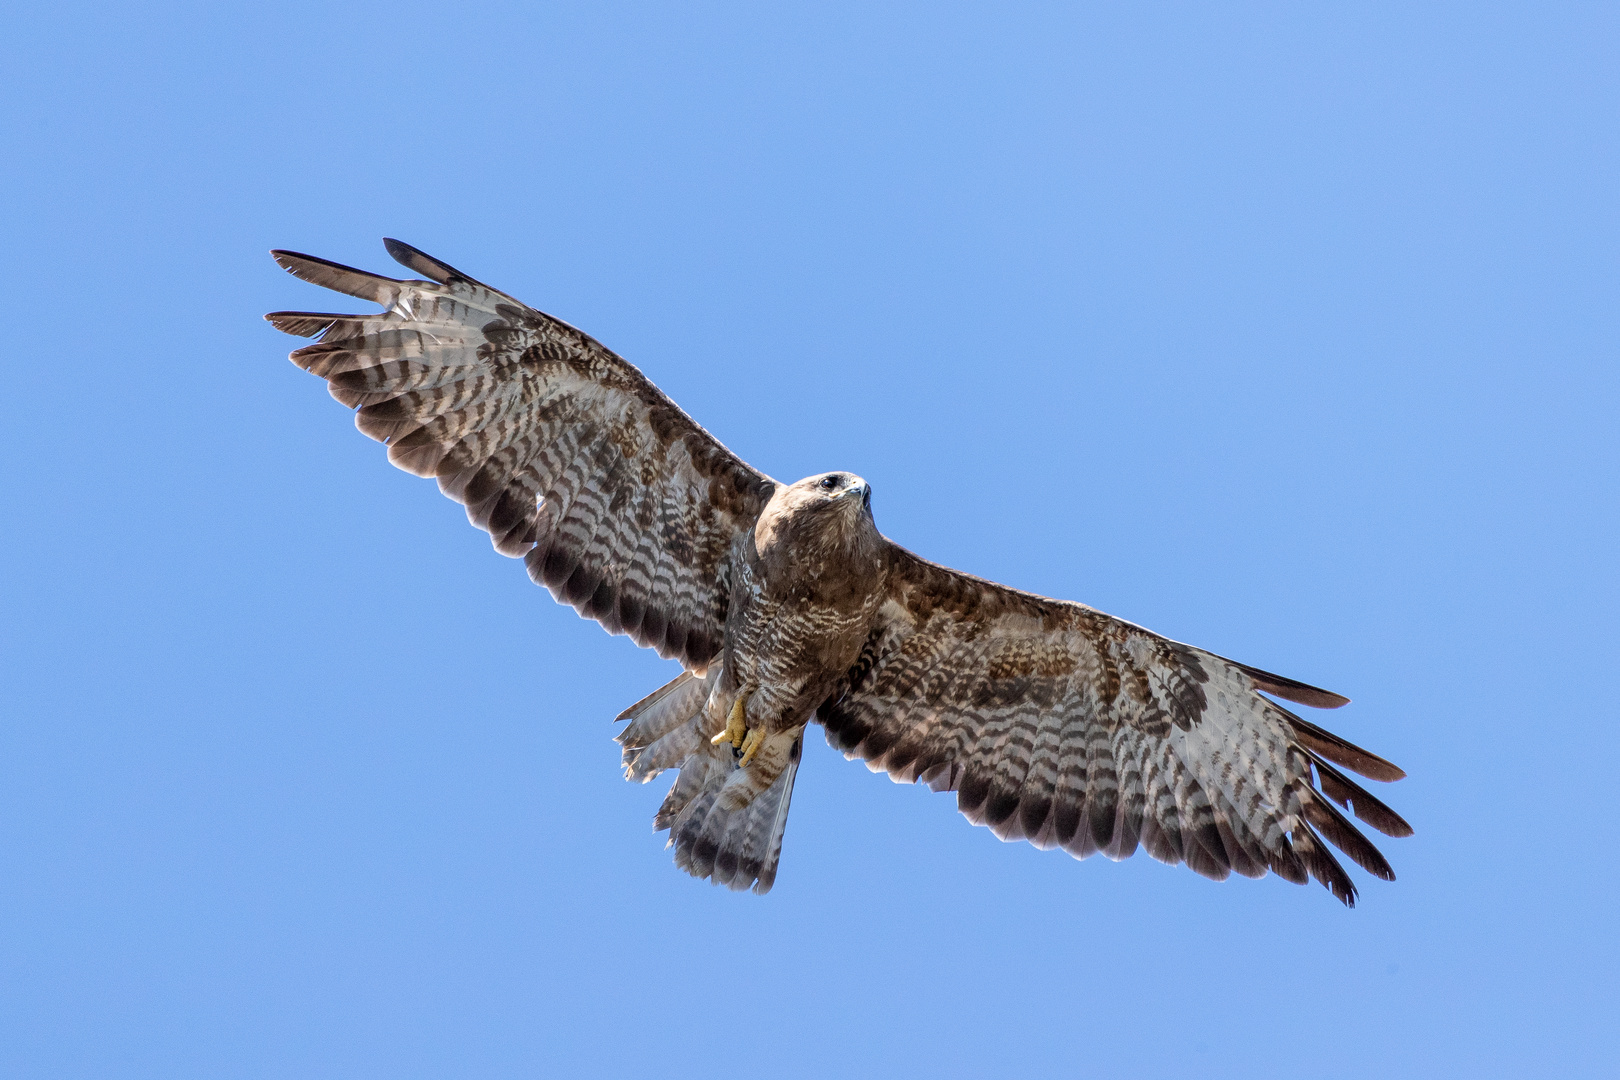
[[835, 492], [820, 509]]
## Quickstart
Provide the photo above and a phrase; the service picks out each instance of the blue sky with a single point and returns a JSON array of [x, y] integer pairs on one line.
[[1287, 331]]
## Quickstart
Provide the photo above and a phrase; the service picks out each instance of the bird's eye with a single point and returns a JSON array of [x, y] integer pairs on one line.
[[829, 482]]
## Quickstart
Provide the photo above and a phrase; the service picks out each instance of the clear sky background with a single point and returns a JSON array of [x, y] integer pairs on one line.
[[1286, 330]]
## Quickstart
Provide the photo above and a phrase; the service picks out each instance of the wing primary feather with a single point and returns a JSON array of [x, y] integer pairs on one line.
[[1292, 689], [1346, 792], [1342, 751], [1328, 822], [1285, 862], [307, 323], [1242, 852], [1132, 799], [1322, 866], [344, 279], [655, 697], [426, 265], [971, 794]]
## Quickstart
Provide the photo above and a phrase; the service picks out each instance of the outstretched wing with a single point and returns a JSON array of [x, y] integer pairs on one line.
[[1066, 727], [566, 454]]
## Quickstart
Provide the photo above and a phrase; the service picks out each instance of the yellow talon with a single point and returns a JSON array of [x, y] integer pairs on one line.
[[750, 744], [736, 725]]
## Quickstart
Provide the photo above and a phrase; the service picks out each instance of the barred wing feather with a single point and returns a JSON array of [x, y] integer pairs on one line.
[[1058, 724], [567, 455]]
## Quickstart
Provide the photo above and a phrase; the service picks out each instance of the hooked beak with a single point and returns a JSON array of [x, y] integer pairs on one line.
[[861, 492]]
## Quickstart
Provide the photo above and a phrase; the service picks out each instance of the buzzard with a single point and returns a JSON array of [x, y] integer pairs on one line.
[[785, 605]]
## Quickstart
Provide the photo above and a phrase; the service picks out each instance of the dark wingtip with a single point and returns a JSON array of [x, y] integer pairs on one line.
[[421, 262], [1343, 751], [336, 276], [302, 323], [1346, 837], [1294, 690], [1347, 793], [292, 261], [1321, 864]]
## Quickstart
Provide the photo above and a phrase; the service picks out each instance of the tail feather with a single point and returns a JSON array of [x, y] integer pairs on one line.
[[702, 771], [734, 847], [719, 827], [694, 853], [737, 848], [665, 726], [668, 751]]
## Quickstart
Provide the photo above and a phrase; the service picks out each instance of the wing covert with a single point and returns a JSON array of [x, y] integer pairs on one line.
[[618, 502]]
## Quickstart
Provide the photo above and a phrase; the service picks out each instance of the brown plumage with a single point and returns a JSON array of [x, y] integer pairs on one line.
[[1051, 721]]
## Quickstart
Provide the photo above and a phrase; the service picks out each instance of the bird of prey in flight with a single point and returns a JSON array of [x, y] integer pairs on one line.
[[785, 605]]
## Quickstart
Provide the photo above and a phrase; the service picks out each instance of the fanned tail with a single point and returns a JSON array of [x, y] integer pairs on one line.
[[738, 846]]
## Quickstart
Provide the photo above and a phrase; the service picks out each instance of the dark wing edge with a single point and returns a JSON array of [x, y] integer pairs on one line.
[[1057, 724], [566, 454]]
